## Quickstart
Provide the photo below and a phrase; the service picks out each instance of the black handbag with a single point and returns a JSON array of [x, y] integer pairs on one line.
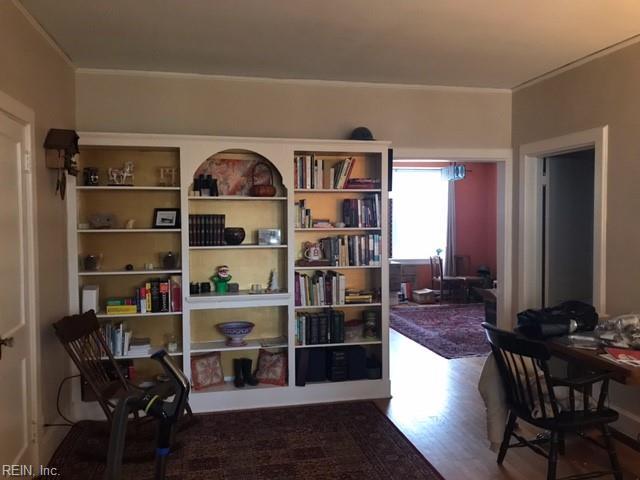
[[562, 319]]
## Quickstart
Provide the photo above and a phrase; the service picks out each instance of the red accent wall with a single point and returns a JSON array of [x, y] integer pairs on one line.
[[476, 217]]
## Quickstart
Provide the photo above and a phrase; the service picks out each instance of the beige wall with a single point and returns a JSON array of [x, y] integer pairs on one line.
[[35, 75], [409, 117], [602, 92]]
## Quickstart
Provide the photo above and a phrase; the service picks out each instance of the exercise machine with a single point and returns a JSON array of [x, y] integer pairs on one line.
[[165, 402]]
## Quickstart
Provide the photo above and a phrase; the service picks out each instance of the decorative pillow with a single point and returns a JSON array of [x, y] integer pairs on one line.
[[206, 371], [272, 367]]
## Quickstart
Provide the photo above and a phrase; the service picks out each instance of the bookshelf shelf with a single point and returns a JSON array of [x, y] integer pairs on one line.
[[242, 299], [237, 247], [336, 229], [129, 230], [234, 198], [362, 341], [228, 386], [221, 346], [140, 357], [98, 273], [337, 190], [133, 315], [346, 305], [109, 188], [330, 267]]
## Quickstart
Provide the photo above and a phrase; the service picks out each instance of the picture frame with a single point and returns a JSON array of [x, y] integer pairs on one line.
[[166, 218]]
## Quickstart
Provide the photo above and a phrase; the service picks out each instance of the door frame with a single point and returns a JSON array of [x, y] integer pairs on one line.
[[26, 117], [503, 157], [530, 224]]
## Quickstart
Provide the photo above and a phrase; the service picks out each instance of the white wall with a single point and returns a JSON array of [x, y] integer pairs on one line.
[[36, 75], [195, 104]]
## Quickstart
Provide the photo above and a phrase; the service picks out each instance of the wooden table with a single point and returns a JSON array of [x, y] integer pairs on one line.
[[626, 374]]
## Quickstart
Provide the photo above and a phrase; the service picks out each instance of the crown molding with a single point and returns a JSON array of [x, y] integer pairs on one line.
[[577, 63], [290, 81], [43, 33]]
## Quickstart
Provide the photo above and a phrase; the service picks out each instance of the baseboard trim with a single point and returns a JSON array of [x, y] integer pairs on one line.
[[627, 426], [625, 439], [50, 441]]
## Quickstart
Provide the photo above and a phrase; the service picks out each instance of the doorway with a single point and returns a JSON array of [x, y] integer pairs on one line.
[[567, 195], [18, 344], [534, 263]]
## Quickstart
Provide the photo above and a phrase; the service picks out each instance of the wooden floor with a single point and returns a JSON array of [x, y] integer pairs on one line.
[[436, 404]]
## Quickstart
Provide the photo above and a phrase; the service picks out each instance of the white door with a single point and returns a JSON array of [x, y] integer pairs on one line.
[[16, 313]]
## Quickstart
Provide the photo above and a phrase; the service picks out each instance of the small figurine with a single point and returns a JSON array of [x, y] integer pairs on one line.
[[273, 282], [221, 279], [119, 176], [168, 176]]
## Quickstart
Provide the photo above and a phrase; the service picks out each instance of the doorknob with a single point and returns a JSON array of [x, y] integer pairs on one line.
[[5, 342]]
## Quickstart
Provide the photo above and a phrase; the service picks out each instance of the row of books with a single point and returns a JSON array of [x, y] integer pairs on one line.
[[320, 328], [362, 212], [121, 341], [308, 172], [156, 295], [206, 230], [320, 288], [352, 250], [356, 213]]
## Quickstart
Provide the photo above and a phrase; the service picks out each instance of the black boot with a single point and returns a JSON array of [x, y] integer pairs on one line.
[[238, 365], [246, 372]]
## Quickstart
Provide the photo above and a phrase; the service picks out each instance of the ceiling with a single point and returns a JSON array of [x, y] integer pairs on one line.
[[477, 43]]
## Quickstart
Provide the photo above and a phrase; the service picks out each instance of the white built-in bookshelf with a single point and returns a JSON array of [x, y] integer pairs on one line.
[[274, 314]]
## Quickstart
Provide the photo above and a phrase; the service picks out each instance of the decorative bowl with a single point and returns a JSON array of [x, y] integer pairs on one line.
[[235, 332], [234, 235]]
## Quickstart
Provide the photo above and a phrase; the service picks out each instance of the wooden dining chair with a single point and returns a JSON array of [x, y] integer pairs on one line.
[[462, 264], [82, 339], [442, 282], [529, 389]]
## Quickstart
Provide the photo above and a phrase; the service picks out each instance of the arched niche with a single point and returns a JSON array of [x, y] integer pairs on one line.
[[234, 172]]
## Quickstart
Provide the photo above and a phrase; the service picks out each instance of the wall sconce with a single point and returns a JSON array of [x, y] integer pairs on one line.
[[61, 148]]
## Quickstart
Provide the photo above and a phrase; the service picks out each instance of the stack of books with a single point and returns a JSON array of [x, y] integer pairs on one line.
[[139, 347], [362, 212], [363, 183], [321, 288], [358, 296], [320, 328], [156, 295], [353, 250], [308, 172], [206, 230]]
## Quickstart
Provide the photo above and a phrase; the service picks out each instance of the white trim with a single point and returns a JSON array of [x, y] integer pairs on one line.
[[289, 81], [529, 272], [628, 423], [43, 33], [504, 158], [577, 63], [26, 116]]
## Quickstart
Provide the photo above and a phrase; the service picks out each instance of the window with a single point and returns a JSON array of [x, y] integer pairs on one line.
[[420, 200]]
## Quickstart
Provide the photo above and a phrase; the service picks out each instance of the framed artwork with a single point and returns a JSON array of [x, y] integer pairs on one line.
[[166, 218]]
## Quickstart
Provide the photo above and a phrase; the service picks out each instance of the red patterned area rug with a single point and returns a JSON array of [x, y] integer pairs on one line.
[[342, 440], [451, 331]]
